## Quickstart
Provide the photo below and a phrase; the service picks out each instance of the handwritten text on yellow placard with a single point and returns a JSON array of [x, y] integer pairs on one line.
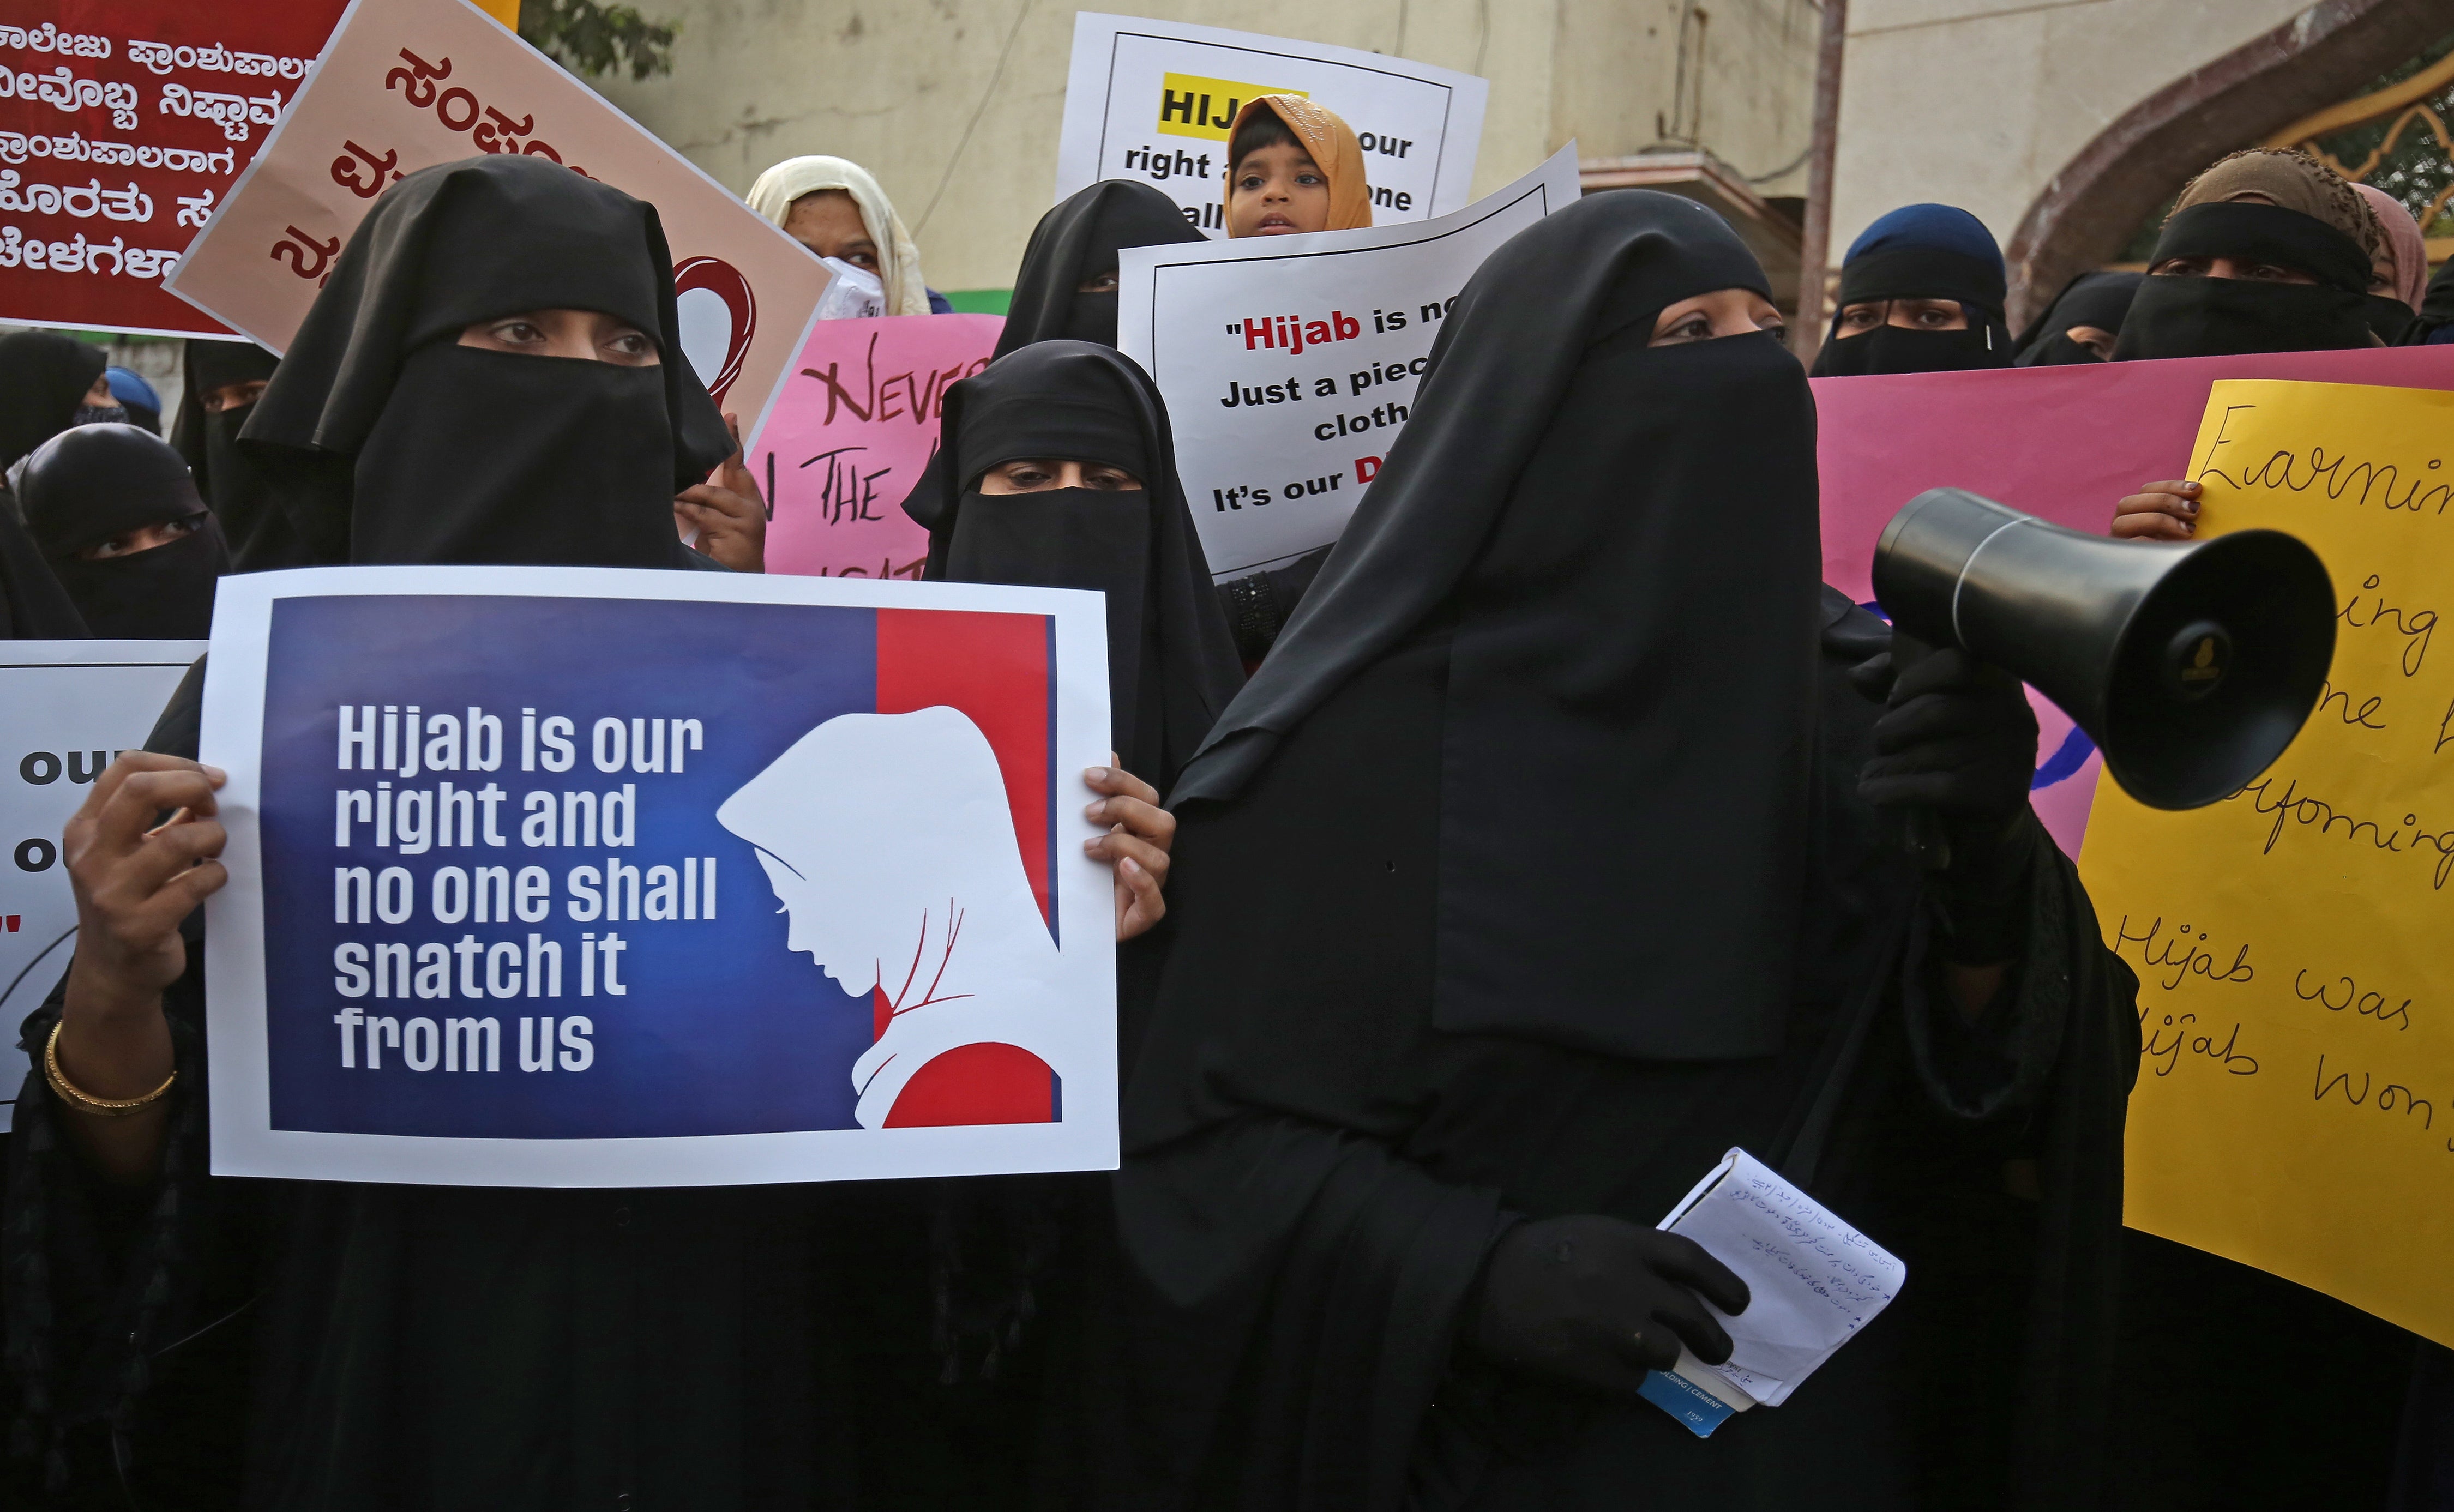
[[2295, 944]]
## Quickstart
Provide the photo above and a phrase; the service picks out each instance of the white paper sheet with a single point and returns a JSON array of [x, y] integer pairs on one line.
[[1812, 1280], [66, 709]]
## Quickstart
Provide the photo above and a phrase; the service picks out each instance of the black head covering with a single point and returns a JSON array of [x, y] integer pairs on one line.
[[86, 485], [1172, 665], [2436, 308], [44, 376], [1922, 251], [1618, 648], [242, 498], [2099, 299], [392, 443], [1076, 242], [2219, 317]]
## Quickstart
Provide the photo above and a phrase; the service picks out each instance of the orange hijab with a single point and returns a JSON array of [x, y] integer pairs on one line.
[[1330, 143]]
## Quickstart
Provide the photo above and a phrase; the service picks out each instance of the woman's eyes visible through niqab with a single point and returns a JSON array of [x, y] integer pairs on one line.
[[1910, 314], [1722, 313], [143, 538], [1098, 284], [1038, 474], [588, 335]]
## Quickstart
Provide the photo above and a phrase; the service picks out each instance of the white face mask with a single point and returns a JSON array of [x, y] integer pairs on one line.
[[854, 293]]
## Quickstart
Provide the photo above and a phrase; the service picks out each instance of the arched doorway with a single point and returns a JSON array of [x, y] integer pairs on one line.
[[2281, 81]]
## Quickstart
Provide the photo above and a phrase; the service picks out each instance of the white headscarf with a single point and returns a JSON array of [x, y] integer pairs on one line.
[[899, 255]]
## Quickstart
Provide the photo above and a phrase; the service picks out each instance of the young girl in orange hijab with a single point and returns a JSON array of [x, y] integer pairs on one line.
[[1293, 167]]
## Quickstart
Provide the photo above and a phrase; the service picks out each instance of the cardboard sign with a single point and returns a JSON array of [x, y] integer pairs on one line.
[[848, 435], [67, 708], [2064, 443], [1288, 362], [2295, 1106], [1153, 100], [409, 84], [508, 847], [122, 128]]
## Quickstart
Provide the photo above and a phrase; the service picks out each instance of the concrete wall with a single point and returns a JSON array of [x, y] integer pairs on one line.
[[955, 103], [1979, 103]]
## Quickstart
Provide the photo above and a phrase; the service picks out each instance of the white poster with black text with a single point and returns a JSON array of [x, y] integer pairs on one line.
[[1289, 363], [1153, 100], [67, 708]]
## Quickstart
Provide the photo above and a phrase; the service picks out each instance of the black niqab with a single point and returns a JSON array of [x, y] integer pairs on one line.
[[2099, 299], [44, 376], [392, 443], [2436, 308], [1079, 241], [1559, 514], [242, 497], [1172, 667], [89, 484], [1919, 273], [2178, 316]]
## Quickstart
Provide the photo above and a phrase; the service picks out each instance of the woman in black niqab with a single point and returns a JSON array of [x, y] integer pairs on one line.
[[89, 490], [1170, 668], [393, 442], [197, 1342], [242, 498], [1610, 904], [1066, 288], [45, 378], [2095, 302]]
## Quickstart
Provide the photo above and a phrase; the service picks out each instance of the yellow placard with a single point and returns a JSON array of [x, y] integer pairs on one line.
[[507, 11], [1192, 106], [2295, 944]]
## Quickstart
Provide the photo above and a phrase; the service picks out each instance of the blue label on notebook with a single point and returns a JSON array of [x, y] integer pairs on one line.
[[1684, 1399]]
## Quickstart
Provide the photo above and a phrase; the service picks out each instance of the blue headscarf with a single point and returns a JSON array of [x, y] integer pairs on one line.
[[1923, 251]]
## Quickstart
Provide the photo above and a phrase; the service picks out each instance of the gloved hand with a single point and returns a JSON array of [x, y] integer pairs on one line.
[[1599, 1301], [1957, 736]]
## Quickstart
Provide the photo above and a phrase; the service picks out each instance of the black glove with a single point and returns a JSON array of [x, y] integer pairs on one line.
[[1957, 736], [1599, 1301]]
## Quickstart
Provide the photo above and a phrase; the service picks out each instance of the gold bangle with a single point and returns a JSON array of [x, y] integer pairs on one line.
[[84, 1101]]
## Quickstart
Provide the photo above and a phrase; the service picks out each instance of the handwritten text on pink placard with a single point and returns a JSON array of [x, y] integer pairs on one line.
[[848, 435]]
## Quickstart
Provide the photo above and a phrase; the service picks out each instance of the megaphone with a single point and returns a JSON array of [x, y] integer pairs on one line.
[[2190, 666]]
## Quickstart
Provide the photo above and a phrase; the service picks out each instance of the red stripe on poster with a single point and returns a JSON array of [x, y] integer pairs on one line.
[[994, 669]]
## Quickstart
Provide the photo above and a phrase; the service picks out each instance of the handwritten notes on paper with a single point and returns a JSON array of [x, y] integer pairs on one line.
[[2295, 1106], [850, 434], [1812, 1280]]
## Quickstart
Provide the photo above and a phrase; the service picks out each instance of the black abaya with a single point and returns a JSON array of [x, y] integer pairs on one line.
[[1316, 1172], [361, 1346], [1605, 902]]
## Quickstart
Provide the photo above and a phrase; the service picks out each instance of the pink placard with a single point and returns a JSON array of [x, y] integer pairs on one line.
[[2064, 443], [409, 84], [850, 434]]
